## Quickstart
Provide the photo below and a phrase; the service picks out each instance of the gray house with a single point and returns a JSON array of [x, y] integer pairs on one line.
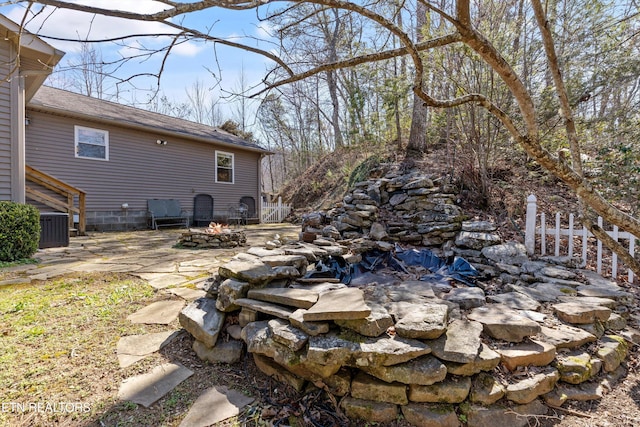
[[101, 161], [122, 156], [25, 63]]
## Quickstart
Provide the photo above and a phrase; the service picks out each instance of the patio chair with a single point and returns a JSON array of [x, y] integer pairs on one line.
[[251, 206], [238, 214], [202, 210]]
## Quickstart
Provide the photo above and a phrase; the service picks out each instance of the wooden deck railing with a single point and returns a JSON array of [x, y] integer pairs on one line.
[[68, 192]]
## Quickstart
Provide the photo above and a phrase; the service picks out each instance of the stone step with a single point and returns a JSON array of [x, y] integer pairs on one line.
[[299, 298], [347, 303], [528, 389], [564, 336], [535, 353], [265, 307], [583, 392], [577, 366], [374, 325], [504, 323], [576, 313]]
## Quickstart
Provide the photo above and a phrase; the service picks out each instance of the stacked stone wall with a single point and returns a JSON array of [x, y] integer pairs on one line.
[[531, 334], [201, 239], [409, 208]]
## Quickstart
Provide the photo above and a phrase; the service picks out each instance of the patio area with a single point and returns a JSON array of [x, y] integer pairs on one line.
[[148, 254]]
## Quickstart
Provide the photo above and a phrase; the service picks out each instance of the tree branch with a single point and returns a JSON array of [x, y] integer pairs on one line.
[[373, 57], [208, 37], [530, 141], [175, 8], [185, 30], [612, 244], [566, 111]]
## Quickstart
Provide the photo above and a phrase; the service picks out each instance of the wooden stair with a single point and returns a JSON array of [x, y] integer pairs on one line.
[[66, 203]]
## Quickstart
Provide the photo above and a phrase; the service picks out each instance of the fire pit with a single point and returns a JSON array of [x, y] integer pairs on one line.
[[213, 237]]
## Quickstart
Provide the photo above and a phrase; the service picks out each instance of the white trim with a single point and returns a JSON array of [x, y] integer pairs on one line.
[[233, 167], [28, 40], [105, 134]]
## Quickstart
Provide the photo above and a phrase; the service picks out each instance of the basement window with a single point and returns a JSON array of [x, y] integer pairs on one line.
[[91, 143], [224, 167]]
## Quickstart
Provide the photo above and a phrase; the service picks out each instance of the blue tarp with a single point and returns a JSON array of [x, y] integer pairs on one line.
[[440, 270]]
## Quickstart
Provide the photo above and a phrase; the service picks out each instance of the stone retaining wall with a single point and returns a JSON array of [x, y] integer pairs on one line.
[[432, 353], [408, 208], [532, 333]]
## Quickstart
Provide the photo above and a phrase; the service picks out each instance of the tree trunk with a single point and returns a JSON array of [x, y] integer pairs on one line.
[[397, 75], [418, 132], [332, 81]]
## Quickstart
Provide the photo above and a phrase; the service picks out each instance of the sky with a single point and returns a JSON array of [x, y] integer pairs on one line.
[[189, 62]]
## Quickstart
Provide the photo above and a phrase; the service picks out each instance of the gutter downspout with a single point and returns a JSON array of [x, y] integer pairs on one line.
[[18, 182], [259, 198]]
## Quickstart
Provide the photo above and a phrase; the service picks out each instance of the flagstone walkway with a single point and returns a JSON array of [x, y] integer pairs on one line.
[[176, 273]]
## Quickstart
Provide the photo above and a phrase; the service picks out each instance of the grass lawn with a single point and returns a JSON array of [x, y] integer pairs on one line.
[[58, 361], [58, 348]]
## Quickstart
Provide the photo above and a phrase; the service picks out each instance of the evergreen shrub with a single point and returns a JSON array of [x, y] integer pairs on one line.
[[19, 231]]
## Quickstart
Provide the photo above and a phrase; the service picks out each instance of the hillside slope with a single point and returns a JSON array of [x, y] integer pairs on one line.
[[500, 198]]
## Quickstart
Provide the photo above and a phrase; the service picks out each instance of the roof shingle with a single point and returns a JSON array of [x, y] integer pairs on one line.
[[58, 101]]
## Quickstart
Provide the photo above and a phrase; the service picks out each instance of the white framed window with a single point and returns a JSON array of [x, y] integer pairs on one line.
[[91, 143], [224, 167]]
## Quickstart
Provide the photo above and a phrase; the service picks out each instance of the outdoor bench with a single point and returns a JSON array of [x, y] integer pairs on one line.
[[166, 212]]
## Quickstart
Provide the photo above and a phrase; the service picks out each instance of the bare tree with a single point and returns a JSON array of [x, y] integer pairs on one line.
[[521, 119], [160, 103], [204, 104], [240, 100], [332, 29], [86, 74], [198, 99]]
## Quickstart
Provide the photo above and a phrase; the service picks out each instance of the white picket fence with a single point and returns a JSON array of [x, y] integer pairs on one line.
[[274, 212], [533, 230]]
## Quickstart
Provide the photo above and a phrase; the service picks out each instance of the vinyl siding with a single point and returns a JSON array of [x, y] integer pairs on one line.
[[138, 169], [5, 122]]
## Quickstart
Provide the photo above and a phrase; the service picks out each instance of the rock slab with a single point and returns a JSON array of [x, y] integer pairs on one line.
[[369, 410], [132, 348], [460, 344], [504, 323], [535, 353], [367, 387], [299, 298], [147, 388], [427, 323], [202, 319], [425, 370], [160, 312], [419, 414], [347, 303], [214, 405], [331, 349]]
